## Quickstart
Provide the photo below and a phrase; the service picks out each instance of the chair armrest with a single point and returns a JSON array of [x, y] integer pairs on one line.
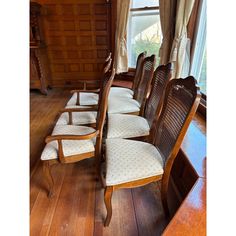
[[85, 91], [79, 109], [71, 137]]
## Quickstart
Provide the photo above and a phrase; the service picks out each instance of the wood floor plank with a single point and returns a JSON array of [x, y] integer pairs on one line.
[[44, 207], [75, 209]]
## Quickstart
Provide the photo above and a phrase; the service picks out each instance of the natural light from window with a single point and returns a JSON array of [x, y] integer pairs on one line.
[[144, 30]]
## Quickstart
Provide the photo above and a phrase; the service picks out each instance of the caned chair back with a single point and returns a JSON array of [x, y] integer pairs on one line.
[[147, 70], [181, 100], [154, 102], [137, 75]]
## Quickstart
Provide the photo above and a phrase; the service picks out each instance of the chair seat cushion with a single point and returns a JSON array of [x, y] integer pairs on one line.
[[121, 92], [120, 105], [85, 99], [70, 147], [127, 126], [78, 118], [128, 160]]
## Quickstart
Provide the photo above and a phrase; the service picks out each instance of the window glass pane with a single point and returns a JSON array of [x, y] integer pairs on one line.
[[202, 78], [144, 3], [144, 34]]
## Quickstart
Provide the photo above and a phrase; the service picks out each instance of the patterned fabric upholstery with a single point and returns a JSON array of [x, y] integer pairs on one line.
[[118, 105], [121, 92], [78, 118], [85, 99], [128, 160], [70, 147], [127, 126]]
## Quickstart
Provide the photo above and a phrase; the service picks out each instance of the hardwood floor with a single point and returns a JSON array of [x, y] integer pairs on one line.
[[77, 207]]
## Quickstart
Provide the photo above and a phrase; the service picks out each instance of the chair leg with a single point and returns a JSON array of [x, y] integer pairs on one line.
[[48, 176], [164, 189], [107, 198]]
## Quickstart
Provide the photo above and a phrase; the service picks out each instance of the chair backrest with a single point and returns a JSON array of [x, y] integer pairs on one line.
[[107, 64], [154, 102], [181, 100], [103, 98], [146, 76], [140, 59], [106, 69]]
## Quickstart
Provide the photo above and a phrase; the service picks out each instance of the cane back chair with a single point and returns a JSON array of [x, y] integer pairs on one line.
[[126, 92], [136, 105], [138, 127], [131, 163]]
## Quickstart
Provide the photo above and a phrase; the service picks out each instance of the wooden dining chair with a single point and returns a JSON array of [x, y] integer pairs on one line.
[[131, 163], [72, 143], [135, 105], [138, 127], [126, 92], [86, 97]]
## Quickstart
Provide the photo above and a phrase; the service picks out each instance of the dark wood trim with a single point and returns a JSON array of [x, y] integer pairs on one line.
[[144, 8]]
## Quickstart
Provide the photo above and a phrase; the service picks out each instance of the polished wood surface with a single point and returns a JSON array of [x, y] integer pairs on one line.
[[77, 35], [190, 219]]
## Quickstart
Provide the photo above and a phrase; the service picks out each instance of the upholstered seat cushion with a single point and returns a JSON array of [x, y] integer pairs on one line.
[[126, 126], [121, 92], [70, 147], [128, 160], [85, 99], [78, 118], [118, 105]]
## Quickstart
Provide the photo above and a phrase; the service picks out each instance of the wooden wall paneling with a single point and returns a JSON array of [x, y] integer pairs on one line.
[[77, 34]]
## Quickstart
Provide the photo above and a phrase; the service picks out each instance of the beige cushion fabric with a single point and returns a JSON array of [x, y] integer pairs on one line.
[[69, 147], [128, 160], [121, 92], [127, 126], [118, 105], [85, 99], [78, 118]]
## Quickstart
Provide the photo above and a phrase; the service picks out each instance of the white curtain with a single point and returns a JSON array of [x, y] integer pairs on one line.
[[180, 52], [167, 12], [121, 56]]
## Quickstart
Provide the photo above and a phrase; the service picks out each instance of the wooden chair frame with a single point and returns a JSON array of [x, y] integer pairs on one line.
[[188, 82], [144, 83], [98, 133]]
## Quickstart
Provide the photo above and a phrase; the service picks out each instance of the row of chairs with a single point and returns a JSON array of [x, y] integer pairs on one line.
[[140, 144]]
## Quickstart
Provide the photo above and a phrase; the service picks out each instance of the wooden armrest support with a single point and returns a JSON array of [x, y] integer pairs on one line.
[[71, 137], [85, 91], [79, 109]]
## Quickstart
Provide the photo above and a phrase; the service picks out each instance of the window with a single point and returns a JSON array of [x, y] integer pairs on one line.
[[144, 30], [198, 67]]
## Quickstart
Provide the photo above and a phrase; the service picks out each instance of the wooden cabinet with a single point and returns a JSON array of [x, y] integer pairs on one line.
[[39, 68]]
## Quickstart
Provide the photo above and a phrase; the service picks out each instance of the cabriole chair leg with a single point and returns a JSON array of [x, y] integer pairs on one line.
[[107, 198]]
